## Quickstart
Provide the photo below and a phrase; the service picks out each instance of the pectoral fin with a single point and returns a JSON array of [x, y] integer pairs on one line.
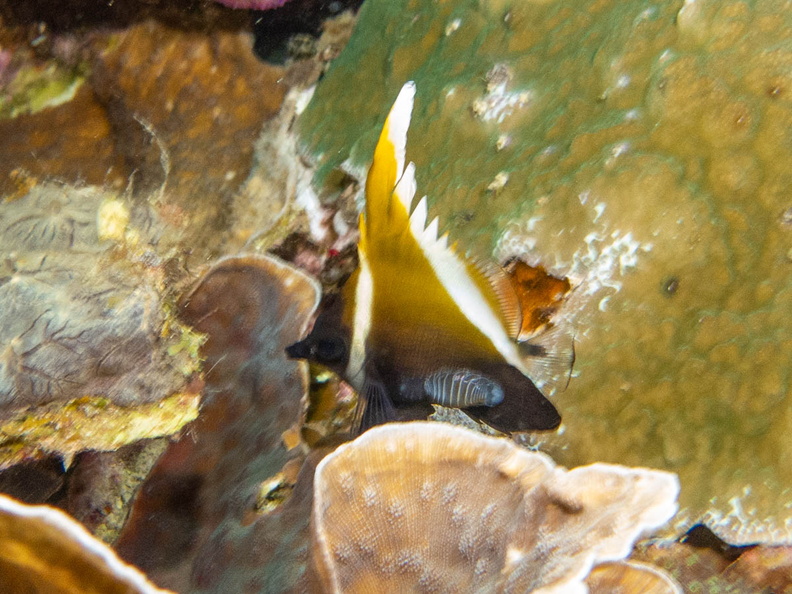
[[374, 406]]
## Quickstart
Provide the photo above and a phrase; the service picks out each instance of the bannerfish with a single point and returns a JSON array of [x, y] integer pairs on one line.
[[416, 324]]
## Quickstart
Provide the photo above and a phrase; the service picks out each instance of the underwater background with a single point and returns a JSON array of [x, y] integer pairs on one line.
[[179, 182]]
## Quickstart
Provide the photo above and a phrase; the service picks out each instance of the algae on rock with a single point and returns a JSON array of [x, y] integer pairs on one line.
[[642, 149]]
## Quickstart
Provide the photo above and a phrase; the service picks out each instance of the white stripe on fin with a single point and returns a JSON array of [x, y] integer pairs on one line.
[[398, 122], [405, 187], [452, 274], [418, 219], [361, 324], [431, 231]]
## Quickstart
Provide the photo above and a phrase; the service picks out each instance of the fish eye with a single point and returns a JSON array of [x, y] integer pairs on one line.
[[330, 350]]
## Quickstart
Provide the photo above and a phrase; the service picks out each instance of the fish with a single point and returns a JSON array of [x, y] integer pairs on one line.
[[417, 324]]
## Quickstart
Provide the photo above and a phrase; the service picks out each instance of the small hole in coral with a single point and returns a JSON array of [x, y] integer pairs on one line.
[[775, 92], [670, 286], [701, 537]]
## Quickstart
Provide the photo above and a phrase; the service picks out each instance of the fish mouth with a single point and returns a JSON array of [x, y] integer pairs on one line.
[[299, 350]]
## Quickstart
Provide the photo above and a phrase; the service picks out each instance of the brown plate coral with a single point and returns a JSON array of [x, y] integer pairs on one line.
[[201, 522]]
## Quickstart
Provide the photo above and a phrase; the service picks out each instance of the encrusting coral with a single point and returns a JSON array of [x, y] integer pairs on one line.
[[640, 150], [92, 357], [212, 97], [44, 550], [427, 506]]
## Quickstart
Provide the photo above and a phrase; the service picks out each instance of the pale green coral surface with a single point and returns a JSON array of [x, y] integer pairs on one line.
[[645, 150]]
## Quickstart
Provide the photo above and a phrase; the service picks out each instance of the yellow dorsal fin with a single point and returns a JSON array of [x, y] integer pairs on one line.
[[387, 178], [395, 243]]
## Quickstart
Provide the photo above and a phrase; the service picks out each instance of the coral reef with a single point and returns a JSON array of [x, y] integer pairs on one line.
[[101, 265], [34, 481], [92, 358], [88, 423], [102, 485], [186, 149], [29, 88], [71, 143], [195, 527], [44, 550], [92, 355], [540, 295], [213, 97], [711, 570], [645, 161], [429, 506]]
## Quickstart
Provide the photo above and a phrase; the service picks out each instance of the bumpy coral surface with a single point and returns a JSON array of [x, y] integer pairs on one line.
[[642, 150], [422, 507]]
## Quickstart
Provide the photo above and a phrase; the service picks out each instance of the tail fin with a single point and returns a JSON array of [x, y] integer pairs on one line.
[[549, 358]]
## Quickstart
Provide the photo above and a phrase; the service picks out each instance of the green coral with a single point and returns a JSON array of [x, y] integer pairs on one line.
[[643, 149]]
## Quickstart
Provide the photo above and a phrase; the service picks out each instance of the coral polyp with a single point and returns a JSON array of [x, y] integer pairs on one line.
[[53, 218]]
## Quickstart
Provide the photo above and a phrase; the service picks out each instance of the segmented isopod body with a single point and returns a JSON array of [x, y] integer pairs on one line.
[[461, 388]]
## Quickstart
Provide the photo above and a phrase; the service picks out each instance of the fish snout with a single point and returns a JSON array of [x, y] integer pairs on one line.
[[299, 350]]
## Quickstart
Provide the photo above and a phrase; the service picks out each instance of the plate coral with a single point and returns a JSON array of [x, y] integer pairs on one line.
[[431, 507], [44, 550]]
